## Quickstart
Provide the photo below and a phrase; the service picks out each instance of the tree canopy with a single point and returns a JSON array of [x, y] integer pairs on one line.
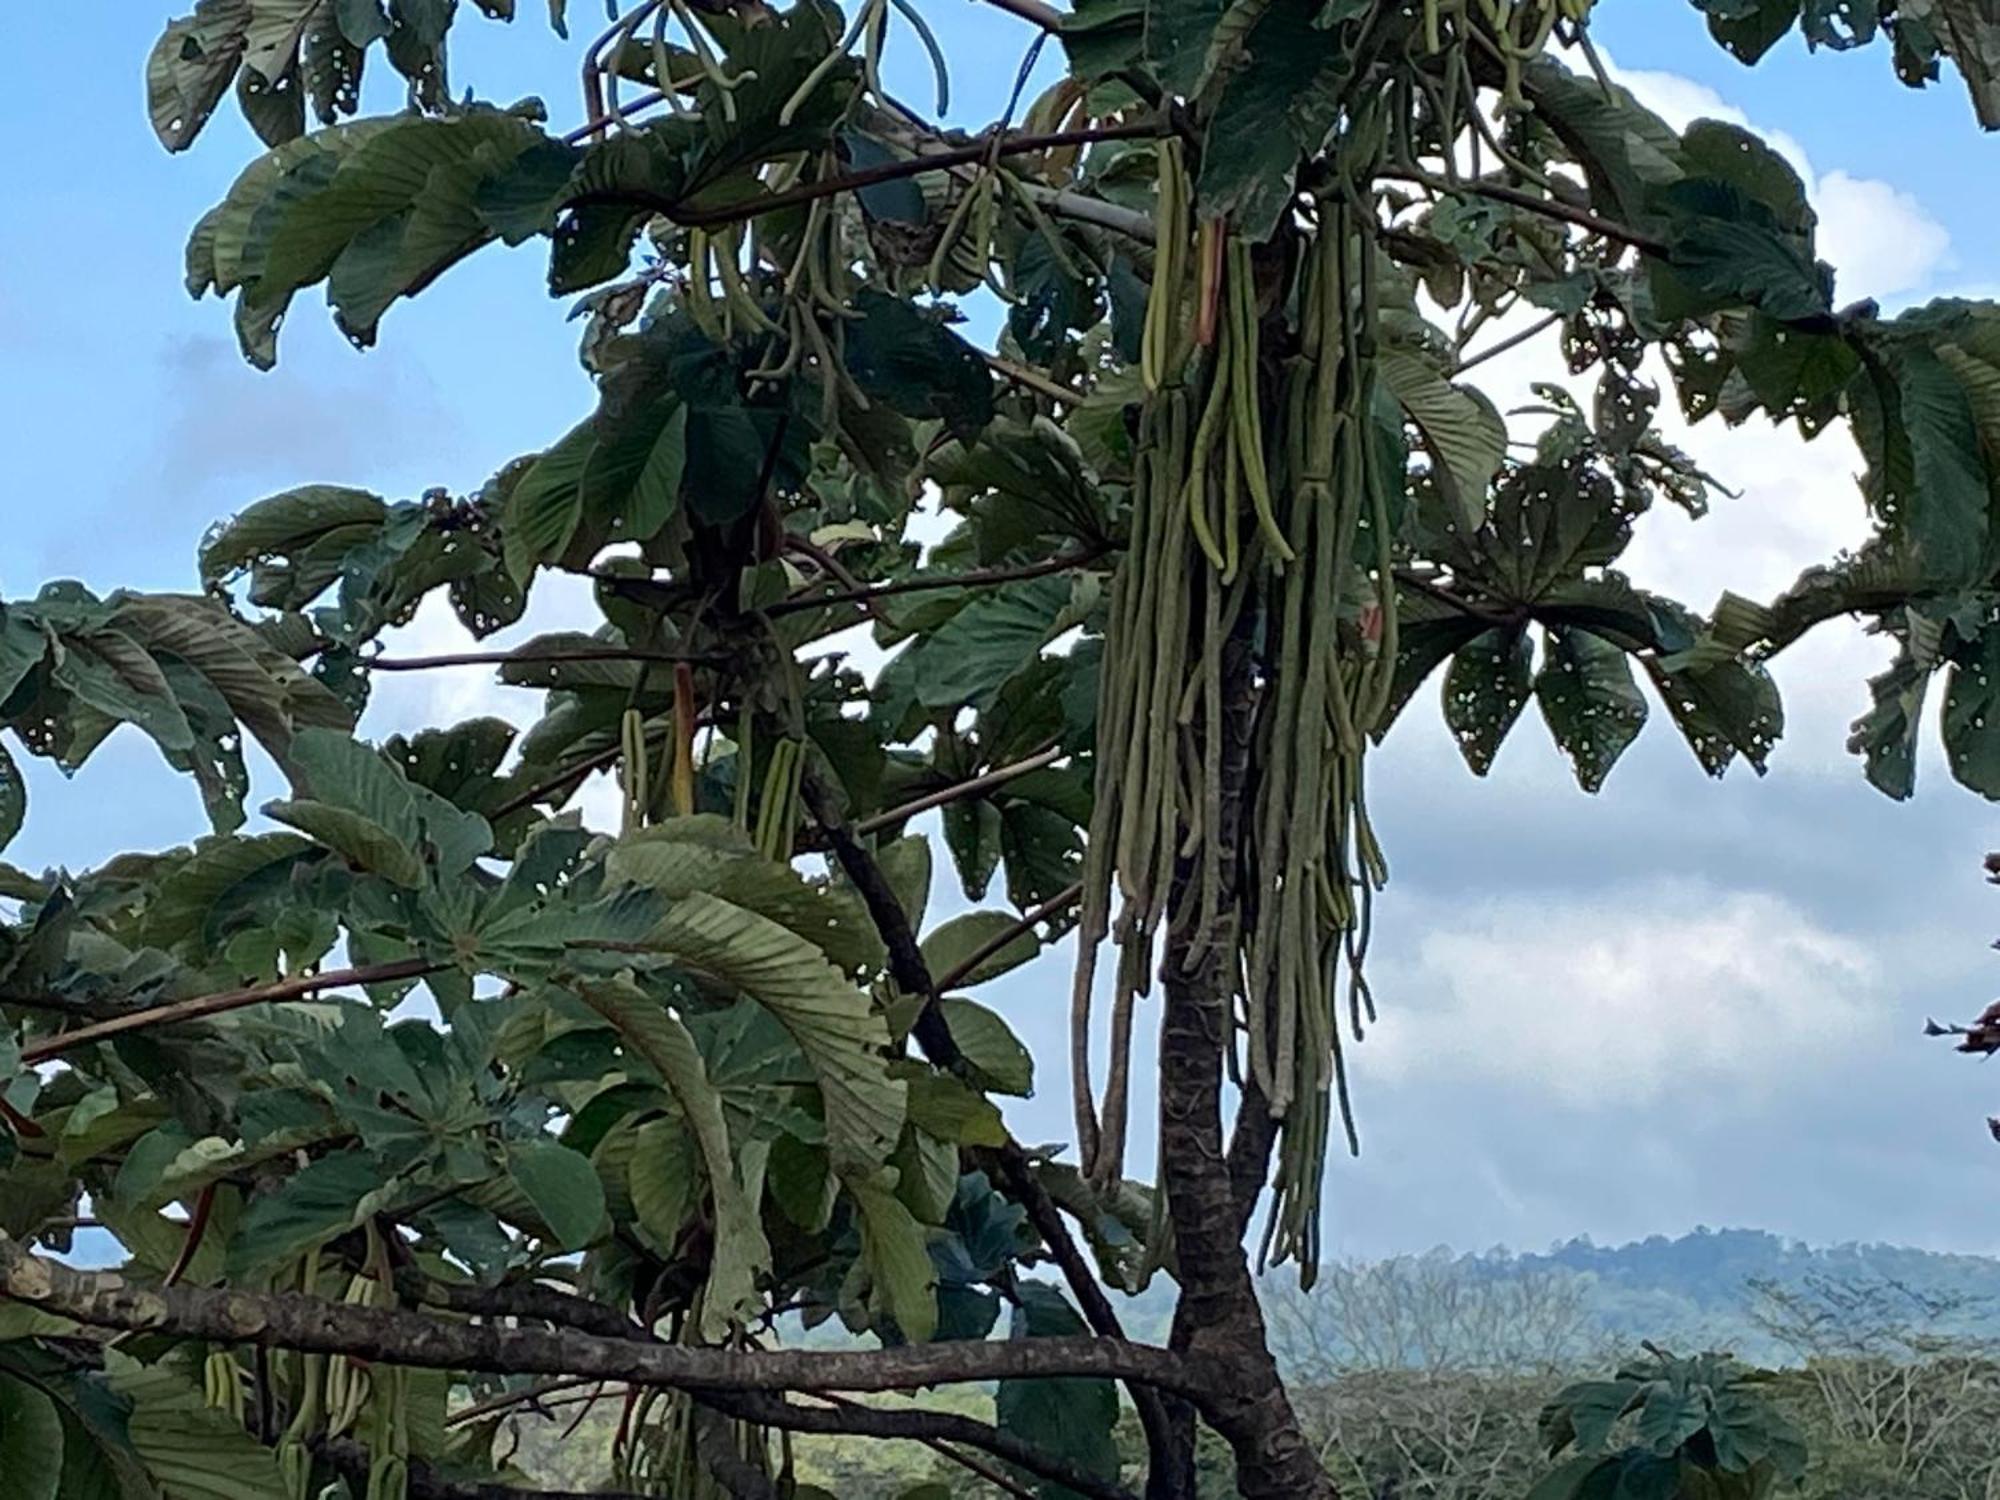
[[419, 1095]]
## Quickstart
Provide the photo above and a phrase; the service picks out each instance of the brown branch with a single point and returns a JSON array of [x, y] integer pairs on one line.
[[959, 790], [197, 1230], [1512, 341], [533, 658], [314, 1325], [506, 1400], [975, 578], [1534, 203], [1032, 11], [829, 564], [1031, 379], [849, 1419], [980, 150], [1010, 1163], [1472, 608], [203, 1006], [531, 1300], [1028, 921]]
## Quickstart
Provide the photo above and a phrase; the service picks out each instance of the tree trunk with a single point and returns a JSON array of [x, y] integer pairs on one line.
[[1209, 1195]]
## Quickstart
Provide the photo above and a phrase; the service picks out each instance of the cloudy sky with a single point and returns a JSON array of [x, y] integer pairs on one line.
[[1680, 1002]]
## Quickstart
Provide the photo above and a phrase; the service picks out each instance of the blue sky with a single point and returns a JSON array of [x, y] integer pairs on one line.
[[1680, 1002]]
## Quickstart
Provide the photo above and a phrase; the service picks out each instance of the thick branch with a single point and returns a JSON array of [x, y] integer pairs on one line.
[[531, 1300], [203, 1006], [1010, 1162], [921, 1426], [525, 658], [314, 1325]]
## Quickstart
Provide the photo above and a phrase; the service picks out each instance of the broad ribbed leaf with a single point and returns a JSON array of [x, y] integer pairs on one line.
[[1592, 704], [829, 1018], [359, 837], [544, 507], [193, 1451], [896, 1251], [1465, 436], [31, 1443], [326, 1198], [741, 1252], [1071, 1418], [917, 366], [1886, 736], [284, 523], [1485, 690], [562, 1188], [1972, 716], [190, 68], [684, 855], [957, 940], [990, 1046]]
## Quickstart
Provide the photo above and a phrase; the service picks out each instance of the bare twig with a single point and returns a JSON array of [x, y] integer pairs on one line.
[[1534, 203], [1028, 922], [976, 578], [958, 791]]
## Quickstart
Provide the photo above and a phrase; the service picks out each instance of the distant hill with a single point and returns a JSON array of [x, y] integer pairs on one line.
[[1698, 1284]]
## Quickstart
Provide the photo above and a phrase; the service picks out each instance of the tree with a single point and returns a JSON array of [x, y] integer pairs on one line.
[[1700, 1429], [422, 1091]]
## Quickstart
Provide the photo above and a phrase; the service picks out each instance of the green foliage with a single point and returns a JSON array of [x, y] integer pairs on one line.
[[428, 1042], [1698, 1427]]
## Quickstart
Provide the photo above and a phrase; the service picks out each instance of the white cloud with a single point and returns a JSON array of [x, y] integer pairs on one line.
[[1622, 999], [1883, 242]]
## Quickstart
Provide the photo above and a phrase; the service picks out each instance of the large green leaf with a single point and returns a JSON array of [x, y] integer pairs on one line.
[[1072, 1419], [1465, 436], [31, 1443], [831, 1020], [957, 940], [1972, 716], [190, 1449], [1592, 705], [708, 853], [989, 1046], [895, 1250], [1484, 692], [917, 366], [741, 1253], [561, 1186], [13, 798], [326, 1198]]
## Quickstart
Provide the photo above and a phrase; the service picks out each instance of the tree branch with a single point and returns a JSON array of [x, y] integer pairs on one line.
[[522, 658], [314, 1325], [531, 1300], [201, 1007], [922, 1426], [975, 578], [959, 790], [889, 171], [1032, 11], [1029, 920], [1534, 203]]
